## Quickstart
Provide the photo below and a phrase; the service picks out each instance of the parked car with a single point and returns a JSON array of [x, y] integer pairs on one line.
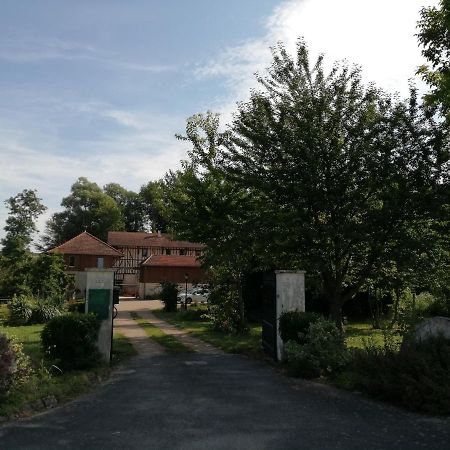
[[197, 295]]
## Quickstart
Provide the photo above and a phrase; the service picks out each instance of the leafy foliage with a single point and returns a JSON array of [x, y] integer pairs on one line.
[[21, 309], [70, 340], [323, 353], [87, 208], [169, 296], [224, 310], [434, 36], [417, 377], [343, 177], [24, 209], [294, 325], [14, 364]]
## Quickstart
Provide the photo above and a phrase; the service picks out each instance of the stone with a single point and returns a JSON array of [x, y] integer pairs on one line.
[[433, 327], [50, 401]]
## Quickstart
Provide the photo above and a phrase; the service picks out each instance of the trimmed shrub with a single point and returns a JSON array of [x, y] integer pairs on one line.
[[14, 364], [294, 325], [21, 309], [417, 377], [70, 340], [169, 296], [323, 352]]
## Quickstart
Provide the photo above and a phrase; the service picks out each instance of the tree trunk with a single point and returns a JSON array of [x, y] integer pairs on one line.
[[396, 305], [242, 324], [336, 309]]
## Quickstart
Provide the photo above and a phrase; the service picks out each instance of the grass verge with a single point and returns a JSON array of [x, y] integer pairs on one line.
[[170, 343], [46, 382], [248, 344], [362, 334]]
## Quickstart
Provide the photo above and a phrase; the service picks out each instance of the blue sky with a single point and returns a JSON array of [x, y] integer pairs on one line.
[[99, 88]]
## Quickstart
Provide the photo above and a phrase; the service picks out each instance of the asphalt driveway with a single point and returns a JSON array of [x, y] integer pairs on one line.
[[199, 401]]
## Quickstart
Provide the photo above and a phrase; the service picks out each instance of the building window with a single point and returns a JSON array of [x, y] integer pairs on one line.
[[100, 263], [145, 252], [167, 251], [198, 253], [182, 251], [71, 261]]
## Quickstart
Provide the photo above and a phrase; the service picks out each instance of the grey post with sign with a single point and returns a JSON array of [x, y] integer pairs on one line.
[[99, 300]]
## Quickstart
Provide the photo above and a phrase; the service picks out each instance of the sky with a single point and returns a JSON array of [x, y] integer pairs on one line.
[[100, 88]]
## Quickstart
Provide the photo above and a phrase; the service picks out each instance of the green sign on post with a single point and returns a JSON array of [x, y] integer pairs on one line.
[[100, 302]]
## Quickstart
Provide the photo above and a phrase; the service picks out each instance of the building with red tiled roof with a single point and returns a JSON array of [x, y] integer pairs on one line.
[[86, 251], [83, 252], [137, 247], [174, 268]]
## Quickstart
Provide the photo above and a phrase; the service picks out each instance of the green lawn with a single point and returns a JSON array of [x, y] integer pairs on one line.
[[359, 334], [46, 381], [232, 343], [170, 343]]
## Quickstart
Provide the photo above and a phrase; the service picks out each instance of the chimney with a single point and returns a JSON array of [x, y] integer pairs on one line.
[[159, 233]]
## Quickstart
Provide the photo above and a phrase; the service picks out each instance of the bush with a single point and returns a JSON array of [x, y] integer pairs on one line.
[[44, 311], [223, 310], [21, 309], [14, 364], [294, 325], [417, 377], [323, 353], [78, 306], [70, 340], [169, 296]]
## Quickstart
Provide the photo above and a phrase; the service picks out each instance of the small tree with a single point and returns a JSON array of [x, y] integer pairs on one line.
[[169, 296]]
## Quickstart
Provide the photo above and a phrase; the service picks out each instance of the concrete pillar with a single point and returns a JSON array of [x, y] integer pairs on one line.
[[99, 299], [290, 296]]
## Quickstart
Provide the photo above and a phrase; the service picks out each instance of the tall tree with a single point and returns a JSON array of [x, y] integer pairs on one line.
[[434, 36], [24, 209], [343, 174], [15, 258], [202, 206], [151, 197], [87, 208], [133, 208]]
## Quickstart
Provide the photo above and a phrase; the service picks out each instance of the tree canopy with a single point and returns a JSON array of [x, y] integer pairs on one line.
[[345, 175], [434, 36], [87, 208], [24, 209]]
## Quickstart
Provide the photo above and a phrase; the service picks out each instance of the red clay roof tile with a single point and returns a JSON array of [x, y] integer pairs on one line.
[[141, 239], [171, 261], [86, 244]]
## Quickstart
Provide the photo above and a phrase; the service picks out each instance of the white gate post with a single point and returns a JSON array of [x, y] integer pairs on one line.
[[290, 296]]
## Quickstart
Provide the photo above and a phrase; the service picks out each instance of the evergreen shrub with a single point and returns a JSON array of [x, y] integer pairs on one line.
[[323, 352], [294, 325], [70, 340]]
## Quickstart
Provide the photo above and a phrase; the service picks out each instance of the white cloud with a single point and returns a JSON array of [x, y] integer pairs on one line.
[[145, 149], [34, 50], [378, 35]]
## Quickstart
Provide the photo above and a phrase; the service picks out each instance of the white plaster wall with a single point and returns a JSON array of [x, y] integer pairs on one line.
[[290, 292]]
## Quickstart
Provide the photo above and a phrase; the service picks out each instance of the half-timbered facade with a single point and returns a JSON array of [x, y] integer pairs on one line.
[[138, 247]]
